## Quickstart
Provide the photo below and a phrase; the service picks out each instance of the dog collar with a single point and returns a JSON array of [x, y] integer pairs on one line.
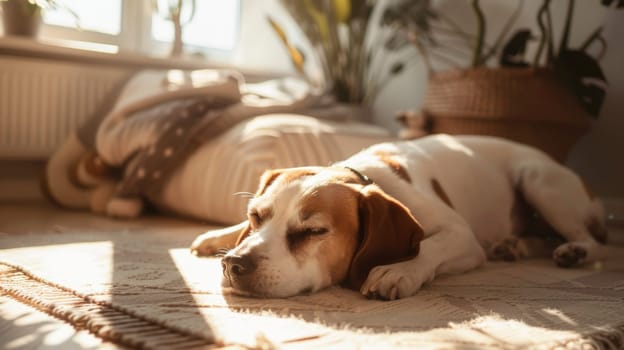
[[365, 179]]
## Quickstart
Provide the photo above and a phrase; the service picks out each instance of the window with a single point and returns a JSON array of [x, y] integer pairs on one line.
[[137, 25], [95, 16], [212, 26]]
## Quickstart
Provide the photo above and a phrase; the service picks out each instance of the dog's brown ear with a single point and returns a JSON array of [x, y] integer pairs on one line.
[[388, 234], [267, 179]]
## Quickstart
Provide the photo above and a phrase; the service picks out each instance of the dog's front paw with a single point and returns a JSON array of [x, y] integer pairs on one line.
[[390, 282], [206, 245], [570, 254], [218, 241]]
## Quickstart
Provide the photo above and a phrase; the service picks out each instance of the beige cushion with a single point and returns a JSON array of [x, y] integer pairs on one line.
[[206, 185]]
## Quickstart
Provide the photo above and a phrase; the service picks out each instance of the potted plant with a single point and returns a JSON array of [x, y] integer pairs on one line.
[[23, 17], [547, 101], [172, 11], [345, 43]]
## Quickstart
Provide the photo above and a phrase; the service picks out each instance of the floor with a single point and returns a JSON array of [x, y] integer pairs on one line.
[[25, 328], [22, 327]]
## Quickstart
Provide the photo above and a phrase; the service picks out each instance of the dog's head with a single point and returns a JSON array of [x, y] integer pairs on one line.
[[312, 227]]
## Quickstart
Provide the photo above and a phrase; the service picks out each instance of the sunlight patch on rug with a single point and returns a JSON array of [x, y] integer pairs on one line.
[[504, 330], [68, 264]]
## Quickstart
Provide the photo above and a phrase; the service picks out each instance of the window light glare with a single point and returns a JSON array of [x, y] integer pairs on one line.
[[93, 15], [213, 26]]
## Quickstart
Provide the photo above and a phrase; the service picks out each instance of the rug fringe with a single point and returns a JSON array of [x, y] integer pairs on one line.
[[103, 319]]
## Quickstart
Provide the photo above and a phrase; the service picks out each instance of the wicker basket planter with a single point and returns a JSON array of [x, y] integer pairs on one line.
[[525, 105]]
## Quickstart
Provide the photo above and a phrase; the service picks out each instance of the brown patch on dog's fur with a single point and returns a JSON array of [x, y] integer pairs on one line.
[[396, 167], [266, 180], [440, 192], [287, 175], [338, 205]]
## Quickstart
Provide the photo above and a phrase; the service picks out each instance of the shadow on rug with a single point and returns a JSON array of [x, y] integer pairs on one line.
[[135, 283]]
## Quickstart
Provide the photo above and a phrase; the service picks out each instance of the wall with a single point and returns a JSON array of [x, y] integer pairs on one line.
[[259, 48], [599, 156]]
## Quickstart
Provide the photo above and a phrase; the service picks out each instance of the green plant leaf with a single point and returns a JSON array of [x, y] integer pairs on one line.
[[342, 10], [297, 58], [278, 30], [583, 75], [396, 41], [397, 68], [608, 3], [319, 17], [296, 55], [512, 54]]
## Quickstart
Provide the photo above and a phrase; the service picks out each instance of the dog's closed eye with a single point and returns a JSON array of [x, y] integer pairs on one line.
[[254, 219], [298, 236], [257, 216]]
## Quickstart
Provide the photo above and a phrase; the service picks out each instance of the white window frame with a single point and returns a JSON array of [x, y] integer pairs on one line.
[[135, 34]]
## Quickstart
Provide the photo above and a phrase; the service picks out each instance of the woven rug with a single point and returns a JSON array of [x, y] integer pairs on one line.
[[136, 284]]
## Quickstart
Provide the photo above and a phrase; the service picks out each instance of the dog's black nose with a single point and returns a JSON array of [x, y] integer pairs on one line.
[[235, 265]]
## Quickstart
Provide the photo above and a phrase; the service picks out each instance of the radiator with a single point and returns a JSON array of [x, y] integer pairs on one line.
[[42, 101]]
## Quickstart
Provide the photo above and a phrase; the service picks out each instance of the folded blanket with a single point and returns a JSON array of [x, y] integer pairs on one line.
[[160, 118]]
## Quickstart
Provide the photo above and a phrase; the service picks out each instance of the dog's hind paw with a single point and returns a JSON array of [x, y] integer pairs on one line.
[[570, 254]]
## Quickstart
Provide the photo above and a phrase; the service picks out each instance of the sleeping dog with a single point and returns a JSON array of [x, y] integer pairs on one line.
[[394, 216]]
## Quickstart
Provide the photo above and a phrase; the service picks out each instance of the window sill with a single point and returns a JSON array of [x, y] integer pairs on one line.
[[102, 54]]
